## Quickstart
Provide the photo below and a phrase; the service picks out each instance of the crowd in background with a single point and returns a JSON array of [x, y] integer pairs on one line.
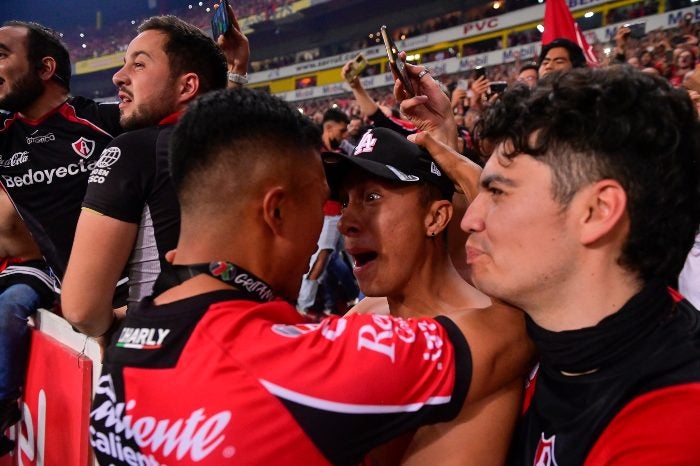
[[244, 182], [115, 36]]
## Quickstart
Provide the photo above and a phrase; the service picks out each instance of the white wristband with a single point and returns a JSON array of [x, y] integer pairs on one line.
[[241, 79]]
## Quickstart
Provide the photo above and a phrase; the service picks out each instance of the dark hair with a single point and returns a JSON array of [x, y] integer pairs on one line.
[[615, 123], [529, 66], [231, 130], [578, 60], [190, 51], [337, 115], [44, 42]]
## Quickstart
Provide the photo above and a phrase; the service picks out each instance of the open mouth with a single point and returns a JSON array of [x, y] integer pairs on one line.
[[363, 258], [124, 98]]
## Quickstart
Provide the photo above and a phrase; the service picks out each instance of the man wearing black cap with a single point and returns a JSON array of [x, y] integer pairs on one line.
[[560, 55], [249, 380], [396, 208]]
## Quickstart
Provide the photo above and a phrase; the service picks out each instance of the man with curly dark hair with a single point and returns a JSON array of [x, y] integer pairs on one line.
[[586, 211]]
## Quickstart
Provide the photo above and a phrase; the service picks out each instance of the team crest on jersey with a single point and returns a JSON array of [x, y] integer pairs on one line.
[[544, 455], [84, 147]]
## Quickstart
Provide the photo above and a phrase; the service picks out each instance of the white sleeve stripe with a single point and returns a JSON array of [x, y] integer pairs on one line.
[[18, 269], [334, 406]]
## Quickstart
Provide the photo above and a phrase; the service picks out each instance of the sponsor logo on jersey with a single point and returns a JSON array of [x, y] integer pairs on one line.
[[109, 157], [142, 338], [544, 455], [84, 147], [41, 139], [16, 159], [380, 336], [194, 437], [47, 176]]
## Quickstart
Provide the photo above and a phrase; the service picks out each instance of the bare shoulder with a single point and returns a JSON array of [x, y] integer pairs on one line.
[[370, 306], [500, 347]]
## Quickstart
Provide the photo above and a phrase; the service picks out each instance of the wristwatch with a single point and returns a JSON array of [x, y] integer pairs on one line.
[[241, 79]]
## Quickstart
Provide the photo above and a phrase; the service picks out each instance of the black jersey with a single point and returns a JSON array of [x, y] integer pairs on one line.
[[640, 404], [218, 379], [131, 182], [45, 165]]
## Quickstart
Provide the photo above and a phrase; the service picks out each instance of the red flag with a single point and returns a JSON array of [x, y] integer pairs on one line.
[[558, 23]]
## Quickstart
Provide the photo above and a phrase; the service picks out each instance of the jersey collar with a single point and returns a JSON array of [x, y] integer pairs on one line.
[[171, 119]]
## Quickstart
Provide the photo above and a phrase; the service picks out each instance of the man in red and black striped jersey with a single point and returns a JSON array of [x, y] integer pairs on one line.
[[587, 210], [220, 368]]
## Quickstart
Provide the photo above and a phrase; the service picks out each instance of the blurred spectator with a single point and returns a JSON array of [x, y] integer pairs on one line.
[[529, 74], [560, 55]]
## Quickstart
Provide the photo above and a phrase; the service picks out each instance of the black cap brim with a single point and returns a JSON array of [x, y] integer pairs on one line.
[[337, 165]]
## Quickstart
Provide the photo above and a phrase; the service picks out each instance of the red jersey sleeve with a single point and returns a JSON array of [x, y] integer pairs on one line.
[[376, 376], [659, 427]]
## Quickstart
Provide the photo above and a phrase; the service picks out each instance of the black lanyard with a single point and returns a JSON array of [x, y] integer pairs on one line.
[[252, 287]]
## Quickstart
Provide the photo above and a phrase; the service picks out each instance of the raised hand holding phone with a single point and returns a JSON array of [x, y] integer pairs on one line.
[[396, 63], [429, 109], [233, 43], [221, 21]]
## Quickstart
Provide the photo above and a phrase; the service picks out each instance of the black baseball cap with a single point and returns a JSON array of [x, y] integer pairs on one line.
[[388, 155]]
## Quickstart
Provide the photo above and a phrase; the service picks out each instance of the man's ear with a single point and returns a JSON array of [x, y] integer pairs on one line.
[[438, 217], [273, 212], [189, 87], [603, 211], [46, 68]]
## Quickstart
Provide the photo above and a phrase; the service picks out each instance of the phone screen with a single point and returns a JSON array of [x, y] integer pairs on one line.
[[398, 67], [357, 66], [479, 71], [637, 30], [497, 87], [220, 23]]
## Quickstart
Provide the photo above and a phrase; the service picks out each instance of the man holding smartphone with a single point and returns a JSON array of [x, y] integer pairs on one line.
[[130, 213]]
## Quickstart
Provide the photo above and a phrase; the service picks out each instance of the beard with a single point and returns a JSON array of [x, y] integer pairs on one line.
[[26, 90], [152, 111]]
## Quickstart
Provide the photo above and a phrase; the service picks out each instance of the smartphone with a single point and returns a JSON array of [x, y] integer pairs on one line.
[[357, 66], [479, 71], [463, 84], [398, 67], [637, 30], [497, 87], [221, 22]]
